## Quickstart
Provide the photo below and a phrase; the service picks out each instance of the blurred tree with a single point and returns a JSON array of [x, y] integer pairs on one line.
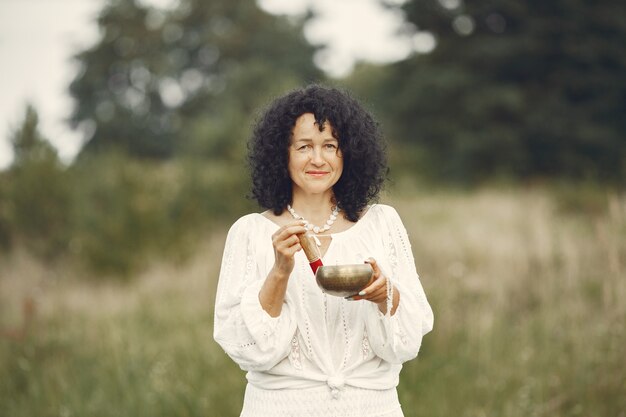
[[38, 203], [29, 146], [160, 83], [526, 89]]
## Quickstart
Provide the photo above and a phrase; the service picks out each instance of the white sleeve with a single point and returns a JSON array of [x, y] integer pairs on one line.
[[246, 332], [398, 338]]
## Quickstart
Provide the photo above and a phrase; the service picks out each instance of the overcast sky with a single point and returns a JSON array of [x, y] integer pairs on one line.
[[37, 38]]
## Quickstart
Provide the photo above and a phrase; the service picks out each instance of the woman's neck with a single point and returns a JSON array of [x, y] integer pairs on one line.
[[313, 207]]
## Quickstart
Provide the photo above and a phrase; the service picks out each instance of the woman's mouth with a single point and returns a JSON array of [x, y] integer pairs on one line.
[[317, 174]]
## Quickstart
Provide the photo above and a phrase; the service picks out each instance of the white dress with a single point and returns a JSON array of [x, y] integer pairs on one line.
[[324, 355]]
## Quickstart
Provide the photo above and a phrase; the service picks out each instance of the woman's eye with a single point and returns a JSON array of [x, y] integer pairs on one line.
[[331, 146]]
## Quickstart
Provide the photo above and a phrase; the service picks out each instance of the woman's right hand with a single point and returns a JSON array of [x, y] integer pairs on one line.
[[286, 243]]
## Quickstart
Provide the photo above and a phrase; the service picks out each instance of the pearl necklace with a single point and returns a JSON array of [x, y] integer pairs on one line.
[[312, 227]]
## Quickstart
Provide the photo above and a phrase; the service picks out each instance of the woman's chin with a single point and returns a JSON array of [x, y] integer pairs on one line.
[[317, 190]]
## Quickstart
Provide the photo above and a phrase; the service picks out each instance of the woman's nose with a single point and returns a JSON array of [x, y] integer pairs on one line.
[[316, 156]]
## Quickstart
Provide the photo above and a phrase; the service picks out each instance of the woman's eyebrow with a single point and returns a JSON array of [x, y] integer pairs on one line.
[[331, 139], [303, 140]]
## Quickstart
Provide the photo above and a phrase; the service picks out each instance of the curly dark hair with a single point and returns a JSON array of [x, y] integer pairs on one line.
[[360, 141]]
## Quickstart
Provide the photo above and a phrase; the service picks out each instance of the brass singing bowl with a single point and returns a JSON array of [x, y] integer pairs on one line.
[[343, 280]]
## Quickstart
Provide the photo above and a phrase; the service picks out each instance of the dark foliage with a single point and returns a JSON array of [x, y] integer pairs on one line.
[[521, 89], [164, 83]]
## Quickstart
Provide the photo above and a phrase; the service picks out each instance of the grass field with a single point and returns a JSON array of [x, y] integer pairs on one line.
[[528, 288]]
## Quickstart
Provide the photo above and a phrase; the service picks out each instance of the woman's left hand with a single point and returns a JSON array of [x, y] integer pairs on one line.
[[376, 291]]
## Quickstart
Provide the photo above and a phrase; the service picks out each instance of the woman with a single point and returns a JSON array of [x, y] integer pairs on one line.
[[317, 161]]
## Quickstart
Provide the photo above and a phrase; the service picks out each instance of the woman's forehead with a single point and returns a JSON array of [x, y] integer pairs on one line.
[[306, 127]]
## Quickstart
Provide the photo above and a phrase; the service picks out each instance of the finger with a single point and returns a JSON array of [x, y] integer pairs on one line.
[[377, 299], [379, 282], [288, 230], [294, 222], [378, 289], [291, 251], [287, 233], [374, 265], [288, 243], [376, 272], [371, 295], [377, 296], [297, 223]]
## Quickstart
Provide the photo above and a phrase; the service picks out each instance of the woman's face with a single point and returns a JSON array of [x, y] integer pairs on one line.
[[315, 161]]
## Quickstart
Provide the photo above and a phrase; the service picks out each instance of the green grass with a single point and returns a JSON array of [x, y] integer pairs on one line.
[[528, 294]]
